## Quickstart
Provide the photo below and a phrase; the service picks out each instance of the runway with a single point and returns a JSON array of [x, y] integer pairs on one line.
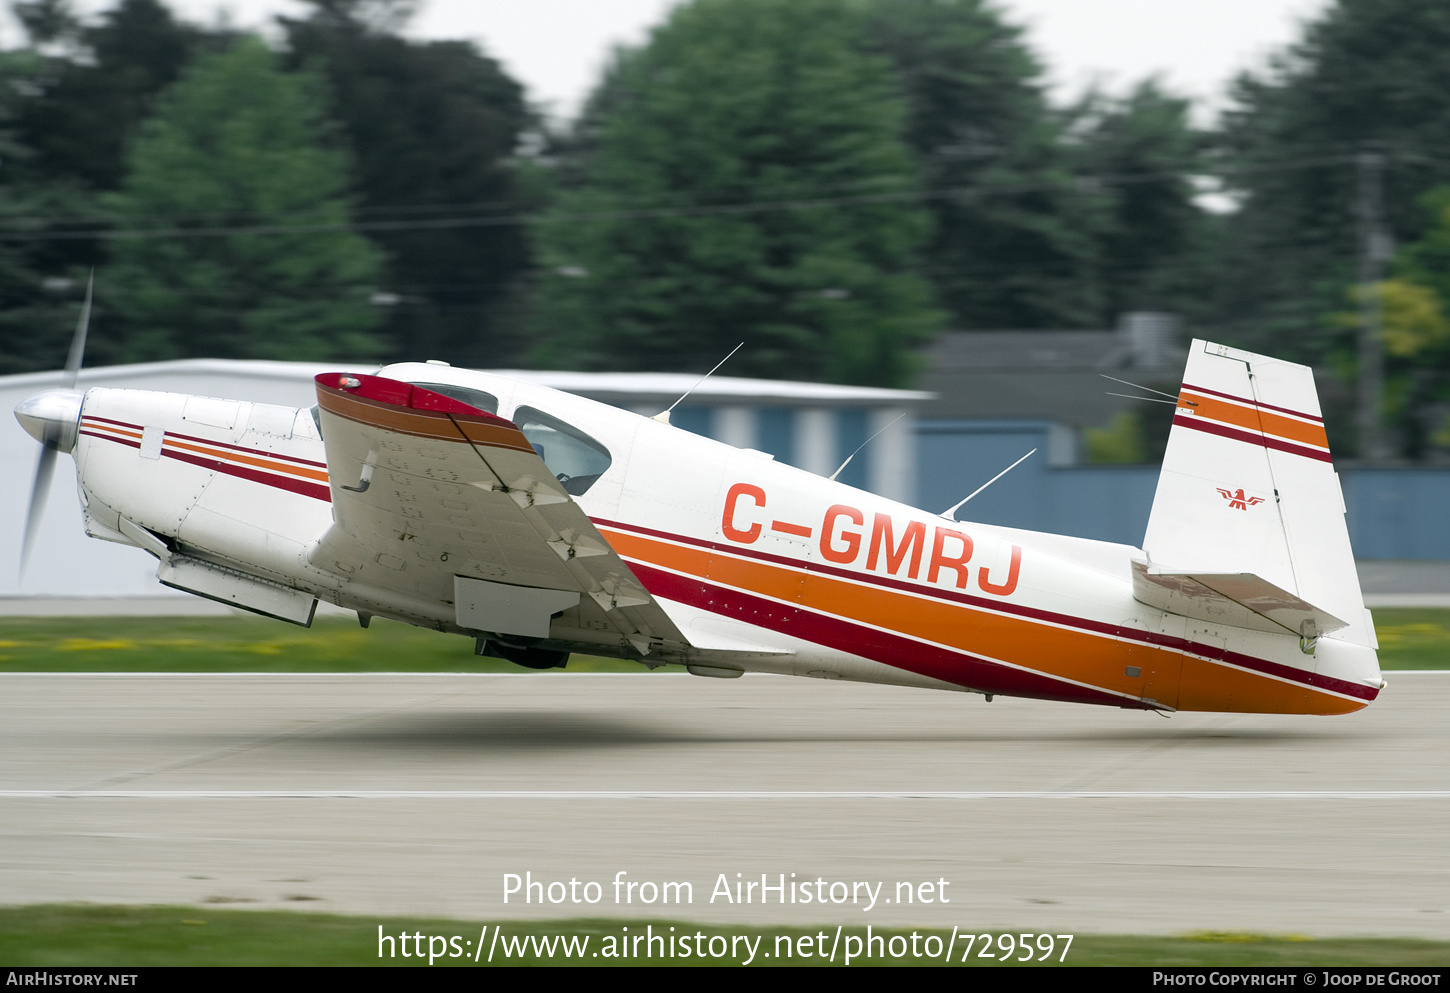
[[418, 795]]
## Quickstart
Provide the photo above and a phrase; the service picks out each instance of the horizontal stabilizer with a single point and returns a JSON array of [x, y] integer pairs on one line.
[[1241, 599]]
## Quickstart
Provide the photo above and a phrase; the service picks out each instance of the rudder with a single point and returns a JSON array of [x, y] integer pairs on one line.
[[1247, 526]]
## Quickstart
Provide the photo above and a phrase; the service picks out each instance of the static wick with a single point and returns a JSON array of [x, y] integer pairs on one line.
[[1147, 389]]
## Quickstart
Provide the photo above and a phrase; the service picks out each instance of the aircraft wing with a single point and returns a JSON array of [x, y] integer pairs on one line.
[[437, 503]]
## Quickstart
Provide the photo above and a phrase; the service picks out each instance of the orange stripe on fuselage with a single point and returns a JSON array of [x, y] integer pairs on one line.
[[220, 454], [1171, 678], [224, 455], [1082, 657], [1254, 419], [1206, 685], [94, 425]]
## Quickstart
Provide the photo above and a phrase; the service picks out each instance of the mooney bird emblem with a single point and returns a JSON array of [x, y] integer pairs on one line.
[[1237, 500]]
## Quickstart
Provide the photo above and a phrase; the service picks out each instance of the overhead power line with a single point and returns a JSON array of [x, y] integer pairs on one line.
[[1090, 184]]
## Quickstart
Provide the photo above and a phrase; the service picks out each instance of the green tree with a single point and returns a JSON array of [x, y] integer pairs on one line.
[[741, 177], [89, 102], [1137, 156], [1044, 218], [1368, 74], [433, 127], [1416, 322], [1013, 238], [237, 144], [37, 291], [75, 96], [1427, 261], [47, 22]]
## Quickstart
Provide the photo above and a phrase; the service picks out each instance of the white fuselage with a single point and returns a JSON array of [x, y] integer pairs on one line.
[[788, 571]]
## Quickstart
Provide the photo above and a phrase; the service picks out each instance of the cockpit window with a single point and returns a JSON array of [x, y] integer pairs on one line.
[[474, 398], [576, 459]]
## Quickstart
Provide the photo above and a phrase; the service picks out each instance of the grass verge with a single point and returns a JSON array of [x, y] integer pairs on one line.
[[1413, 638], [1409, 639], [246, 644], [87, 935]]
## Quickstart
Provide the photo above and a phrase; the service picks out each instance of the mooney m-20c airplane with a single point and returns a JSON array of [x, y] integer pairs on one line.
[[540, 524]]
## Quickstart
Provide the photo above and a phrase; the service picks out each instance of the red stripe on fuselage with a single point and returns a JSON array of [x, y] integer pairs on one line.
[[282, 482], [1212, 653], [290, 483], [219, 444], [886, 647]]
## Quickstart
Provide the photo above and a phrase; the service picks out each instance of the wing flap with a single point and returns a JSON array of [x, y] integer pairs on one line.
[[426, 489]]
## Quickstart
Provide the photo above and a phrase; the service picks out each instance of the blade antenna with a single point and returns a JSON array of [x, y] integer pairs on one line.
[[664, 416], [863, 445], [955, 507]]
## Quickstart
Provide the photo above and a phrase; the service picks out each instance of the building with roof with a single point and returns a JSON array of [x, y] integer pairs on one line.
[[1001, 394], [1056, 376]]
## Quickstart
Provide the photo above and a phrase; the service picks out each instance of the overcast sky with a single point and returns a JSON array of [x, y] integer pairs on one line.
[[558, 47]]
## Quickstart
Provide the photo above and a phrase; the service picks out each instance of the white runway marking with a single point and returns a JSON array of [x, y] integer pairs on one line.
[[726, 794]]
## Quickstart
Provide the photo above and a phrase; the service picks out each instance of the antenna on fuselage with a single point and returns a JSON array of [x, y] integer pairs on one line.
[[863, 444], [664, 416], [957, 506]]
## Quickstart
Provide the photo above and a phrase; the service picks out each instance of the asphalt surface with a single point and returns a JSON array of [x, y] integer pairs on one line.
[[419, 795]]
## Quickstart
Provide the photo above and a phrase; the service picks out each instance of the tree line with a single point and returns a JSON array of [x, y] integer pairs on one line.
[[831, 181]]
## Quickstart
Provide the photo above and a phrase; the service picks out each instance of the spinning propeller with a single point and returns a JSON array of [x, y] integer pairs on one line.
[[52, 417]]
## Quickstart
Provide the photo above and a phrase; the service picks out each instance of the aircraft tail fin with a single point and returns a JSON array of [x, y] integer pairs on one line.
[[1247, 526]]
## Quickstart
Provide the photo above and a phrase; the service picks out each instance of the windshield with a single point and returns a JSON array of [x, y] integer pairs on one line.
[[486, 402]]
